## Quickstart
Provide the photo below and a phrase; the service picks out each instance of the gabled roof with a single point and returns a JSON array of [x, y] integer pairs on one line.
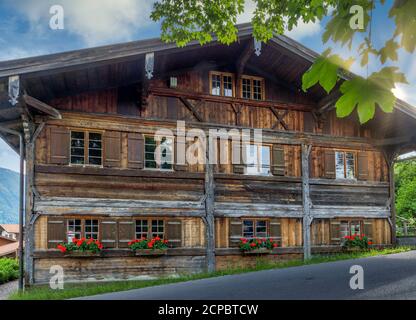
[[9, 248], [46, 77]]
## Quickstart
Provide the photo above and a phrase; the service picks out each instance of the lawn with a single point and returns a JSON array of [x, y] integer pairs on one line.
[[86, 289]]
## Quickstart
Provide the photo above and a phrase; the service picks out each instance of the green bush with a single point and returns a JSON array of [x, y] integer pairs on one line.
[[9, 270]]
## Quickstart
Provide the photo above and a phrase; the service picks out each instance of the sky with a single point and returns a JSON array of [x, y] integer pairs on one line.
[[25, 32]]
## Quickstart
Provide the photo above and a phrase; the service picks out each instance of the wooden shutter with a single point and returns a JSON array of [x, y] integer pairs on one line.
[[112, 149], [368, 229], [180, 145], [362, 165], [275, 230], [174, 233], [236, 232], [135, 145], [335, 232], [329, 164], [308, 122], [56, 231], [278, 160], [108, 233], [238, 168], [59, 146], [126, 232]]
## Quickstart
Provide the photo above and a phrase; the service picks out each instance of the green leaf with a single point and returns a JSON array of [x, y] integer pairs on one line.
[[389, 51], [367, 94], [325, 71], [404, 14]]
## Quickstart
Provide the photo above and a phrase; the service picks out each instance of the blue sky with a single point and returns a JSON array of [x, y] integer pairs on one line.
[[24, 32]]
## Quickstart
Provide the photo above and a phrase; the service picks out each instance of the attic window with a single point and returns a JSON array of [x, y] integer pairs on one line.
[[252, 88], [221, 84], [345, 165]]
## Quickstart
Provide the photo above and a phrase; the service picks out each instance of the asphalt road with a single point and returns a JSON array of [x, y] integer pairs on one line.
[[385, 277]]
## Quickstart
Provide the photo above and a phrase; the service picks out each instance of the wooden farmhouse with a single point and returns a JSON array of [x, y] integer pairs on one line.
[[89, 119]]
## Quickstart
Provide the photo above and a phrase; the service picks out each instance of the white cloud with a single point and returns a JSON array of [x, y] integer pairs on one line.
[[95, 21]]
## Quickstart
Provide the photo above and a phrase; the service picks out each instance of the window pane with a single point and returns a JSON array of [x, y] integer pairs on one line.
[[251, 159], [344, 231], [257, 89], [261, 229], [248, 229], [246, 88], [149, 155], [339, 161], [77, 147], [94, 148], [216, 84], [350, 166], [228, 86], [91, 229], [73, 229], [265, 160], [166, 152], [141, 229], [355, 228], [158, 228]]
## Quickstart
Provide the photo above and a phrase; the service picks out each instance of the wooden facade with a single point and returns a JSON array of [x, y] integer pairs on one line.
[[201, 209]]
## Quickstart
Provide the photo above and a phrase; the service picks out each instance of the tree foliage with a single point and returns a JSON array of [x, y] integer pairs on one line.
[[405, 178], [185, 20]]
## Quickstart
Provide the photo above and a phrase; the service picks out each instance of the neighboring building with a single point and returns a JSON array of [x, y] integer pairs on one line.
[[9, 250], [89, 119], [10, 231]]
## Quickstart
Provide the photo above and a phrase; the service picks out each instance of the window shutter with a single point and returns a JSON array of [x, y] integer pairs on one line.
[[112, 148], [59, 145], [174, 233], [126, 232], [108, 229], [278, 158], [362, 165], [238, 168], [329, 164], [56, 232], [275, 230], [236, 231], [181, 146], [335, 232], [135, 145], [308, 122], [368, 229]]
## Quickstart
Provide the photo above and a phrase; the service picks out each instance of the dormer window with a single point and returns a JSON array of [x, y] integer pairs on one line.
[[222, 84]]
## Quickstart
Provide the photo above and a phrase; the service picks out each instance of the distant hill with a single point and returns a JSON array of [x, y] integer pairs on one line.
[[9, 196]]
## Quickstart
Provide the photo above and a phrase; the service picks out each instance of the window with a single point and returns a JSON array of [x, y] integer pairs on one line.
[[157, 228], [82, 228], [91, 229], [142, 229], [86, 148], [257, 159], [252, 88], [345, 165], [158, 154], [350, 228], [255, 229], [222, 84]]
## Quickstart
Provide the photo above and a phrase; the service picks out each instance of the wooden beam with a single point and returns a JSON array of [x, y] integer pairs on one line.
[[11, 111], [393, 141], [209, 218], [191, 108], [279, 118], [327, 103], [243, 58], [306, 202], [41, 106]]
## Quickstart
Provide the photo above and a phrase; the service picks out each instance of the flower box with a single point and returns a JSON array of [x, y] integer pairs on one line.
[[82, 254], [258, 251], [150, 252]]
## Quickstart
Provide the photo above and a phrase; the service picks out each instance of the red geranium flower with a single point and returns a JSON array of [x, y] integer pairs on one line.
[[275, 245], [62, 248]]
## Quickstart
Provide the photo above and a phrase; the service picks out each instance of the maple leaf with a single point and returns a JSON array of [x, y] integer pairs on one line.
[[389, 51], [366, 94], [325, 71], [404, 14]]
